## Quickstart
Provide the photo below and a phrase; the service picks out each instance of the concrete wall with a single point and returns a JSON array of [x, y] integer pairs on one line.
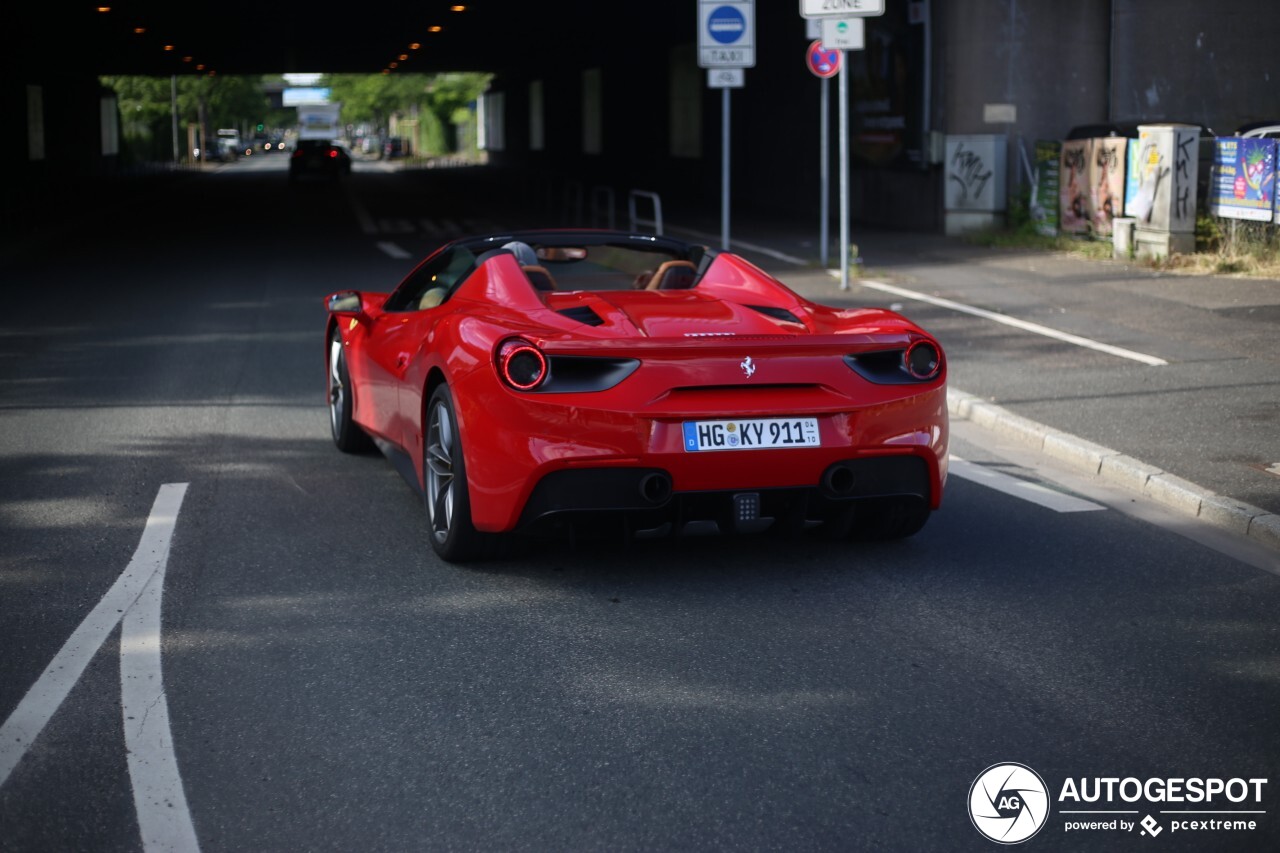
[[1214, 64], [1048, 61]]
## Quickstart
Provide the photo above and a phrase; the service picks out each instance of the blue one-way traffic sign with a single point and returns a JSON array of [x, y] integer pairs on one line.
[[726, 33]]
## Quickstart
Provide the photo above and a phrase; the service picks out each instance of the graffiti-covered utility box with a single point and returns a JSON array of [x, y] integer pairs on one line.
[[1164, 204], [1092, 185], [975, 194]]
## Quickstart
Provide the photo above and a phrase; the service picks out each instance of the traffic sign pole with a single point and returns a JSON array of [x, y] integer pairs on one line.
[[726, 40], [824, 63], [824, 171], [724, 170], [844, 174], [851, 34]]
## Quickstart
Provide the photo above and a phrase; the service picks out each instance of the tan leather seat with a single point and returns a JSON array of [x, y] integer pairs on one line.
[[539, 277], [673, 275], [432, 298]]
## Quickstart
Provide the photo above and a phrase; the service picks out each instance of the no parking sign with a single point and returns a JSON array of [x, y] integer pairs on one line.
[[821, 61]]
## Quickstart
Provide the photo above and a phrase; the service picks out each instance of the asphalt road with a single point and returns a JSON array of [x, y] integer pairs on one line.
[[330, 685]]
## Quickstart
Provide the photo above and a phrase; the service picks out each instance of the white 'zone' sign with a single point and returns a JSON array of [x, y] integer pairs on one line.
[[841, 8], [726, 33]]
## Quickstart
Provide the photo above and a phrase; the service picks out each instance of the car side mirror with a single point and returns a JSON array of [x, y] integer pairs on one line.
[[346, 302]]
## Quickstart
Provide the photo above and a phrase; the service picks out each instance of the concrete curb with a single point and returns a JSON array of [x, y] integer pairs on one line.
[[1114, 467]]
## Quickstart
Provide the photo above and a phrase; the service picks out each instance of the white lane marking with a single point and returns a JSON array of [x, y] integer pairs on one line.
[[1027, 491], [144, 572], [752, 247], [367, 225], [164, 819], [395, 226], [1024, 325], [393, 250]]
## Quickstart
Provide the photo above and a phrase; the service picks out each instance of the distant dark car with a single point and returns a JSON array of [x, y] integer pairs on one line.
[[318, 158], [393, 147]]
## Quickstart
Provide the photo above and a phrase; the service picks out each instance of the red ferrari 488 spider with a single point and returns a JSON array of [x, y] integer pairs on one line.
[[540, 380]]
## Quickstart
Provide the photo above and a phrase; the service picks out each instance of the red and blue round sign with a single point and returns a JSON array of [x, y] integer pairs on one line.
[[821, 61]]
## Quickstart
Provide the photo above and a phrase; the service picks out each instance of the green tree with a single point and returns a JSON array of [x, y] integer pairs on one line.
[[438, 102], [207, 101]]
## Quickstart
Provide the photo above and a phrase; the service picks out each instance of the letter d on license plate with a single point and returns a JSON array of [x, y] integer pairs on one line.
[[752, 434]]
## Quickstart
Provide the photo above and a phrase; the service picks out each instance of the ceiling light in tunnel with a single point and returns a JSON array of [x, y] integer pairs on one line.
[[435, 29], [414, 46]]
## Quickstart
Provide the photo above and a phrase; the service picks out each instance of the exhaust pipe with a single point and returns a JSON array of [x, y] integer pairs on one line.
[[655, 487], [838, 481]]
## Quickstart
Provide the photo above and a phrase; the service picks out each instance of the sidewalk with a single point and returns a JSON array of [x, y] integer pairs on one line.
[[1195, 427]]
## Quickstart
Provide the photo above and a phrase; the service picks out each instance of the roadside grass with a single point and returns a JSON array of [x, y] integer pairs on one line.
[[1223, 246]]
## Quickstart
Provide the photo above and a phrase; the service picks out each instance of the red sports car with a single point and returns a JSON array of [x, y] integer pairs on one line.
[[548, 381]]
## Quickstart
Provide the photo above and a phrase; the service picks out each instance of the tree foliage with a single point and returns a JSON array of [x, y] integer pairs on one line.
[[437, 101], [227, 101], [374, 98]]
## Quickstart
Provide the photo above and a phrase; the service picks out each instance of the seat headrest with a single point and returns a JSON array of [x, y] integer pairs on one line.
[[525, 255], [539, 277]]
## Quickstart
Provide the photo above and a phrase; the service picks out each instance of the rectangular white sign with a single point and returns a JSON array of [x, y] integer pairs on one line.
[[841, 8], [726, 33], [726, 78], [844, 33]]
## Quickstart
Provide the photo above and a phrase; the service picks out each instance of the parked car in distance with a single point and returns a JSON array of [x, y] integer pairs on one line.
[[318, 158], [1268, 129], [393, 147]]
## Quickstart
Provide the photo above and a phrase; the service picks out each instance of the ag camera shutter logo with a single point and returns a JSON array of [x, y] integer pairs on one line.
[[1008, 803]]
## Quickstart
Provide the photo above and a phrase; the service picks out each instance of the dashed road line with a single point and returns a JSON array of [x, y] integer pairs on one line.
[[1018, 488], [393, 250]]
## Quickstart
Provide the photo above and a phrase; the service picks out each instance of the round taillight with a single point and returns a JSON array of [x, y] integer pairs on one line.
[[333, 153], [522, 365], [922, 360]]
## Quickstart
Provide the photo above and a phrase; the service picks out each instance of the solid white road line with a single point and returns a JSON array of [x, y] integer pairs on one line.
[[164, 819], [712, 239], [1027, 491], [1024, 325], [135, 598], [393, 250]]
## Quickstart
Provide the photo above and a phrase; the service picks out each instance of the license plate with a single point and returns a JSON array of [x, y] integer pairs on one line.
[[751, 434]]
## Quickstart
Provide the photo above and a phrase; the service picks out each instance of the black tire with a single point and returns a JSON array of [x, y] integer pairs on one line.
[[889, 518], [347, 435], [445, 492]]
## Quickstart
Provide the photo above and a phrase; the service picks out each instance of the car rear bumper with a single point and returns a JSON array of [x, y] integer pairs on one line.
[[642, 499], [530, 459]]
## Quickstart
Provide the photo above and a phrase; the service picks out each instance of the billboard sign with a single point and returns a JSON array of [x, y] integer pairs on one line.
[[1244, 178], [1044, 189], [295, 95]]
